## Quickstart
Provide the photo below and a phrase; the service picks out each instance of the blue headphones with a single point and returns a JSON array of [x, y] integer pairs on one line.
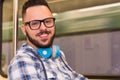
[[53, 52]]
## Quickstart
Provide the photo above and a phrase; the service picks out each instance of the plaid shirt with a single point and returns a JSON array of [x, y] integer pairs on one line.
[[26, 66]]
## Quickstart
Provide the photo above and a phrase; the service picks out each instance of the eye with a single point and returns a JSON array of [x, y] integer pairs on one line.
[[48, 21], [35, 23]]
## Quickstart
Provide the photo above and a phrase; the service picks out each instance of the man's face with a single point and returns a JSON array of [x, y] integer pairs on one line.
[[43, 36]]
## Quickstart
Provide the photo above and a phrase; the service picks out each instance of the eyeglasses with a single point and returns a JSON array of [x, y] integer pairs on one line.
[[35, 24]]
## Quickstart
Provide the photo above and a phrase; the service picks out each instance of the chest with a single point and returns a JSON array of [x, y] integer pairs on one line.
[[55, 68]]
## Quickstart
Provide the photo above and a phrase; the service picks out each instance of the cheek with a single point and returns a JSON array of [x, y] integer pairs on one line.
[[53, 30], [31, 33]]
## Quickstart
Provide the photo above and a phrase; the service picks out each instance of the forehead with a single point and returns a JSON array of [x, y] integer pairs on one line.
[[37, 12]]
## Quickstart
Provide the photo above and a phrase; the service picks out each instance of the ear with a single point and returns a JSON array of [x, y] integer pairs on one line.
[[23, 29]]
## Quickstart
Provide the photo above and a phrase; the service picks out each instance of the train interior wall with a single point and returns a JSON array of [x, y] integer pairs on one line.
[[92, 54]]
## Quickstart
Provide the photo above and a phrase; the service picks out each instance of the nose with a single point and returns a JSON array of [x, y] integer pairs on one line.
[[42, 26]]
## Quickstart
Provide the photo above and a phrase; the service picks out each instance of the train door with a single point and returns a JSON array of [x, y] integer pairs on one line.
[[3, 60], [8, 33]]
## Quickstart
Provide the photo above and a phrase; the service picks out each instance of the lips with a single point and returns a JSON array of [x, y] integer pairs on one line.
[[43, 35]]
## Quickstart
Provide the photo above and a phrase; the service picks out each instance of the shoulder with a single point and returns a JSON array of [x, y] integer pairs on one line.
[[22, 64], [24, 58]]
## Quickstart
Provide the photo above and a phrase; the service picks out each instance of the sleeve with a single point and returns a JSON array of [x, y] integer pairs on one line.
[[76, 76], [23, 68]]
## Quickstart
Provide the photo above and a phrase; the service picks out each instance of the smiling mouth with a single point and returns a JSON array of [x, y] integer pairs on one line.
[[43, 35]]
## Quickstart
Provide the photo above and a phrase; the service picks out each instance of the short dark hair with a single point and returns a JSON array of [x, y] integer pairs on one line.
[[31, 3]]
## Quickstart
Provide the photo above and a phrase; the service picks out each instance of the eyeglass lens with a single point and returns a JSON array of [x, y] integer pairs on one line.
[[35, 24]]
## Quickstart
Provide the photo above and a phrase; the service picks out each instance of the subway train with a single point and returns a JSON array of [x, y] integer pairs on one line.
[[88, 35]]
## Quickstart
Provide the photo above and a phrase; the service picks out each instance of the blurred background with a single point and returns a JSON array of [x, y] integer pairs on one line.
[[87, 31]]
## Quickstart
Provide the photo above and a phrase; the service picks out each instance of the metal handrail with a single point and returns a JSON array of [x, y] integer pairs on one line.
[[15, 23]]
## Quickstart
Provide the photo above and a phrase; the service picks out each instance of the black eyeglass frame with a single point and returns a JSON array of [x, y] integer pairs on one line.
[[28, 23]]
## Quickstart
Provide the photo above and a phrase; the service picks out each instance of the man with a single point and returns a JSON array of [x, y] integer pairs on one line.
[[38, 59]]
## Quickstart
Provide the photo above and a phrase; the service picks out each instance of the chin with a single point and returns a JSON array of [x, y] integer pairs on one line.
[[44, 46]]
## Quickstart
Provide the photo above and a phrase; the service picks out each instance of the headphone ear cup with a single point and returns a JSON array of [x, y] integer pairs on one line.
[[53, 52], [45, 52], [56, 51]]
